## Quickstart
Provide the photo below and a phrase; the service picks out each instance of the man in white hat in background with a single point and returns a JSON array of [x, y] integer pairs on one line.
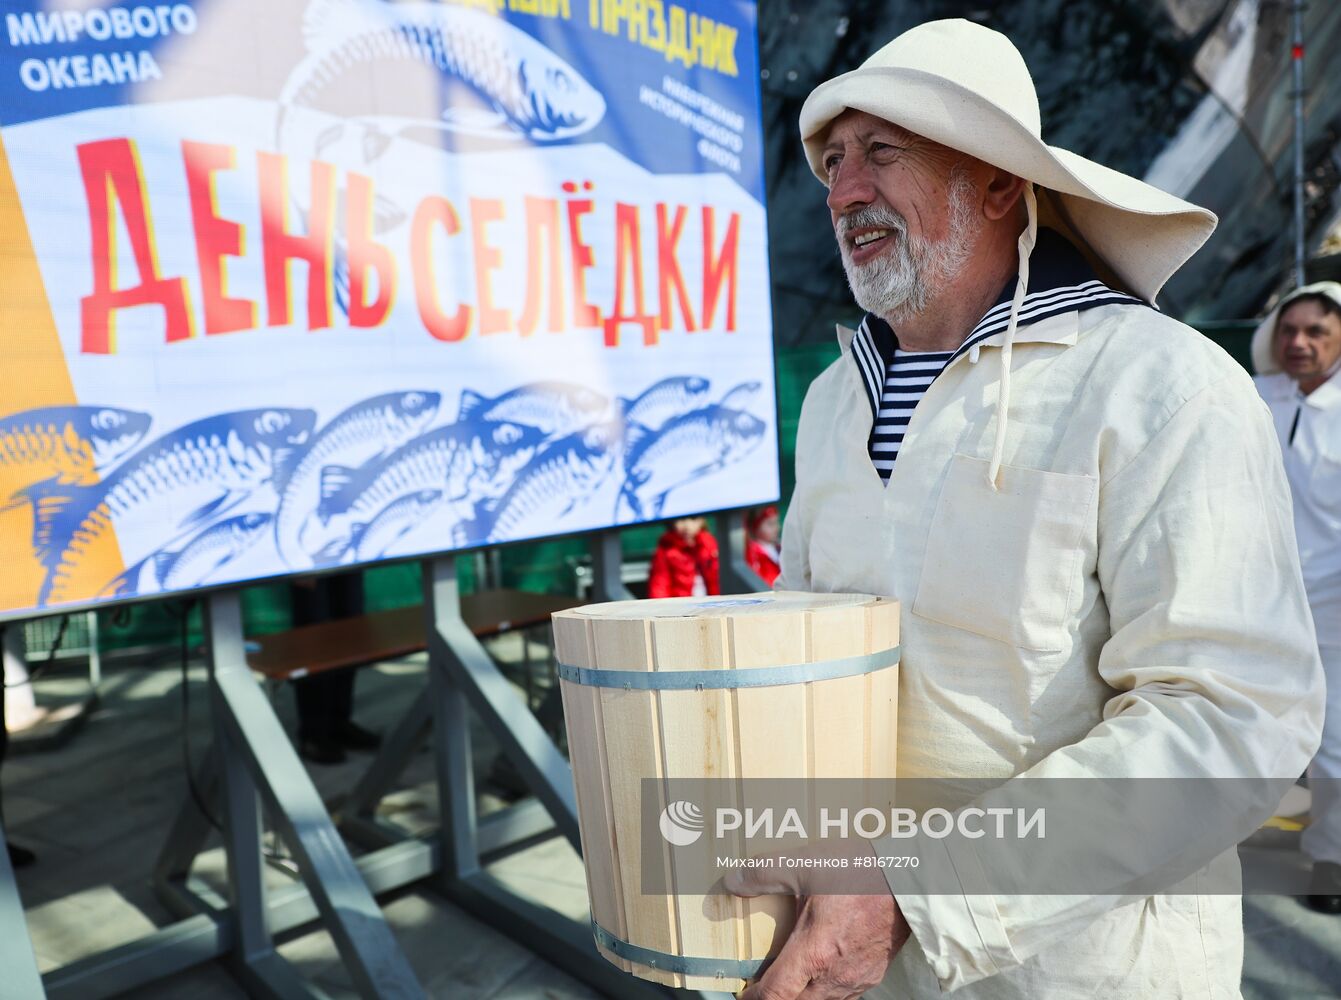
[[1297, 353], [1079, 502]]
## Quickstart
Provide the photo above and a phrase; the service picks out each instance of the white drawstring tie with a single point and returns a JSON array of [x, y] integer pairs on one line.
[[1026, 247]]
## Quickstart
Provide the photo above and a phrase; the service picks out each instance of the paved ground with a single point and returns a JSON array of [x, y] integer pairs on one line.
[[96, 810]]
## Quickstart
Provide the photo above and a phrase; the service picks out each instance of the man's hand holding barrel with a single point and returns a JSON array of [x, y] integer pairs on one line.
[[841, 944]]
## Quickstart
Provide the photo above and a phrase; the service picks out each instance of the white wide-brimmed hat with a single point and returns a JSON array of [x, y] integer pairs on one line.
[[1264, 358], [967, 87]]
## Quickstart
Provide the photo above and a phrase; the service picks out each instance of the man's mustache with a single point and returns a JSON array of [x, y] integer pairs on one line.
[[872, 217]]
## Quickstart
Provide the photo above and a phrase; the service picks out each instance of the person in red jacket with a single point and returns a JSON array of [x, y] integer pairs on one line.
[[685, 561], [761, 543]]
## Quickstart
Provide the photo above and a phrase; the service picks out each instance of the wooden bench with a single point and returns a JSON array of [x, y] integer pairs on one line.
[[388, 635]]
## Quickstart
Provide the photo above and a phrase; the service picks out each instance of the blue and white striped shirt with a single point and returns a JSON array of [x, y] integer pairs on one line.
[[908, 377]]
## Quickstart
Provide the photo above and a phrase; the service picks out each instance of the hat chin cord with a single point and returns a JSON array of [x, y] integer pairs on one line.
[[1026, 247]]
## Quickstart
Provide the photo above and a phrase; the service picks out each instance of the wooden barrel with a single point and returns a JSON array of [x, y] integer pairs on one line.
[[772, 685]]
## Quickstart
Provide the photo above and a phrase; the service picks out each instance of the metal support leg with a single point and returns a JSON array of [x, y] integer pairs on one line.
[[257, 758], [461, 675], [18, 964], [254, 956], [736, 575], [528, 682], [464, 671], [400, 745], [451, 734], [607, 554], [190, 829]]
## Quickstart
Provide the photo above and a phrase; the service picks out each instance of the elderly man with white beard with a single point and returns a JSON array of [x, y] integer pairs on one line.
[[1063, 487]]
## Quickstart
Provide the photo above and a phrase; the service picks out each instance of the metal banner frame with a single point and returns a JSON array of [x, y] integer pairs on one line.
[[259, 761], [252, 761], [17, 958], [462, 676]]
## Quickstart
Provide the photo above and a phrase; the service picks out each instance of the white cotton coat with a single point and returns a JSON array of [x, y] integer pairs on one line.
[[1127, 603], [1309, 430]]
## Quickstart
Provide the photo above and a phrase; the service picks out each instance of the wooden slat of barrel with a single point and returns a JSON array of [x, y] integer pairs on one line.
[[631, 723], [837, 707], [698, 738], [774, 718], [582, 710]]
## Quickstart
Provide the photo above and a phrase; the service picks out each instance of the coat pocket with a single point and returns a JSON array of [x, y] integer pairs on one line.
[[1006, 564]]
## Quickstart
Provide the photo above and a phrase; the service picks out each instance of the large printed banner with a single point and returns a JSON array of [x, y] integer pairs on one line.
[[295, 284]]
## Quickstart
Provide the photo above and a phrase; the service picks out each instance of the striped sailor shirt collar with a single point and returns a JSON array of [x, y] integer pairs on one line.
[[1061, 285]]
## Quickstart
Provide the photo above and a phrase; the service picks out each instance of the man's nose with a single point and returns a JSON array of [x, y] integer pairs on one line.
[[1295, 341], [852, 187]]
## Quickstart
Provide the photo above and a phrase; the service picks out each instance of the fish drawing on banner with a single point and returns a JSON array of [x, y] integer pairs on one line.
[[469, 462], [196, 562], [376, 480], [397, 519], [556, 408], [360, 433], [738, 397], [686, 448], [666, 399], [70, 445], [362, 51], [204, 468], [523, 88], [560, 478]]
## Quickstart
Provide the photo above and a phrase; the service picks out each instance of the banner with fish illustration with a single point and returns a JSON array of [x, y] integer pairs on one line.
[[291, 286]]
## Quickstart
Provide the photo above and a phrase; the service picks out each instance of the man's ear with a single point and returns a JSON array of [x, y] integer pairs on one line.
[[1001, 193]]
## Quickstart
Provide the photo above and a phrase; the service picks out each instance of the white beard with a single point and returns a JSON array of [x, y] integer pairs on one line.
[[900, 282]]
